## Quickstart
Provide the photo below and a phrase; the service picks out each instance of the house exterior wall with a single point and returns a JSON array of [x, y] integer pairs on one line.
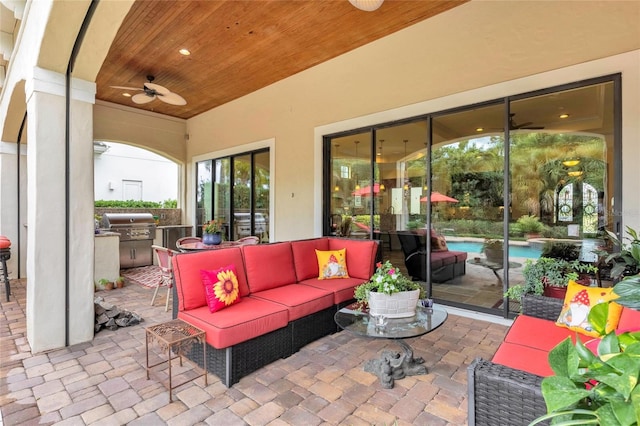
[[475, 52]]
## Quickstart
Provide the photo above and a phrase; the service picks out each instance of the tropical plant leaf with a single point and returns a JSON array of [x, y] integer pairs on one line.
[[586, 356], [561, 393], [629, 292], [598, 317], [607, 416], [564, 359]]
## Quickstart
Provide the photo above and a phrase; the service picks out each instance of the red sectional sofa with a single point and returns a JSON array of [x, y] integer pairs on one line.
[[506, 390], [283, 306]]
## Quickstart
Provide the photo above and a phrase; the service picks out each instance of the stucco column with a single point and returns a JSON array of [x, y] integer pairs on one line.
[[46, 218], [10, 224]]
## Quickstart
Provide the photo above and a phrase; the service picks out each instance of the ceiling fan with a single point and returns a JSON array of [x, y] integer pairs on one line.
[[527, 125], [152, 91]]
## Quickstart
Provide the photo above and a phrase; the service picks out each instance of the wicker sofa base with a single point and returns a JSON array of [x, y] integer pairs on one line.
[[233, 363], [500, 395], [312, 327]]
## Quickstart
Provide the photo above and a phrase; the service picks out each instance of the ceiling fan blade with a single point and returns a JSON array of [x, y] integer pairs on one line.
[[161, 90], [142, 98], [172, 98], [521, 125], [125, 88]]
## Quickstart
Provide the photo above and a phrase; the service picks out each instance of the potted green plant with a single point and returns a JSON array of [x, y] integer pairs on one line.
[[602, 388], [493, 249], [119, 282], [549, 277], [212, 232], [385, 284], [105, 284], [624, 258], [560, 250], [530, 226]]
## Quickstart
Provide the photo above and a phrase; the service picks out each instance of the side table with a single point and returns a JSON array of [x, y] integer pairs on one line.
[[177, 336]]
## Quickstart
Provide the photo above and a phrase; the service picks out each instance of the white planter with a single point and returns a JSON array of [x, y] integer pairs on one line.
[[396, 305]]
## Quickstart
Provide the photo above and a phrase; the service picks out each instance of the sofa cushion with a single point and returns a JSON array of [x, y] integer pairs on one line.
[[220, 287], [332, 264], [186, 271], [523, 358], [237, 323], [304, 257], [300, 300], [578, 303], [343, 290], [269, 266], [438, 242], [629, 320], [361, 255], [538, 333]]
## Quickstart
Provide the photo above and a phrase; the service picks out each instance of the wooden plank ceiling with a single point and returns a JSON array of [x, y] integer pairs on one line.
[[239, 46]]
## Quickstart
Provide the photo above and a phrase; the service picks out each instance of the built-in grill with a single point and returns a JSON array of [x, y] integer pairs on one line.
[[137, 231]]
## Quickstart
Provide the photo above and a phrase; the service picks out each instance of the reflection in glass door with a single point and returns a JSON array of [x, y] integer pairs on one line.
[[468, 207]]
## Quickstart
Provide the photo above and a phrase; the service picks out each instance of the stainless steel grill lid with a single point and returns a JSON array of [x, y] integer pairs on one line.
[[111, 220]]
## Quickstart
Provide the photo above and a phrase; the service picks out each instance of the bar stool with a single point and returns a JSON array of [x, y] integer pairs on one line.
[[5, 254]]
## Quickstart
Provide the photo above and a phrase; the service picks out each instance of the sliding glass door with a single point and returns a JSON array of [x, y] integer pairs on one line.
[[462, 200]]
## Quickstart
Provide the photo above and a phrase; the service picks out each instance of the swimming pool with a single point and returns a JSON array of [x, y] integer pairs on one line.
[[514, 251]]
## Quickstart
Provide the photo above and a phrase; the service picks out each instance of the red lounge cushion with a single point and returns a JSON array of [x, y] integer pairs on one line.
[[269, 266], [343, 290], [304, 257], [220, 287], [332, 264], [629, 320], [361, 256], [237, 323], [300, 300], [539, 333], [186, 270], [523, 358]]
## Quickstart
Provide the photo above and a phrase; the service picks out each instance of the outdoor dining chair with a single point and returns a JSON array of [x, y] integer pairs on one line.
[[164, 255]]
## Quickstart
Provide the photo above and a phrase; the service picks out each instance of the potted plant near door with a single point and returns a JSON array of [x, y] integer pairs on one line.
[[549, 277], [530, 226], [389, 293]]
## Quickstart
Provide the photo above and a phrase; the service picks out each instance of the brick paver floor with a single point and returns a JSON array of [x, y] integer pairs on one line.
[[103, 382]]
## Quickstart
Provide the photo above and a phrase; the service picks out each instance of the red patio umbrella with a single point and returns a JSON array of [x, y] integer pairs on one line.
[[365, 191], [437, 197]]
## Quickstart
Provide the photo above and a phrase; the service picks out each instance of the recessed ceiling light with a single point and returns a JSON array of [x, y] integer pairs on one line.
[[564, 115], [479, 129], [128, 95], [184, 52]]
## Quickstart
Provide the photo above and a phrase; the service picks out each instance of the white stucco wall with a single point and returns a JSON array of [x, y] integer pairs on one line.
[[157, 175]]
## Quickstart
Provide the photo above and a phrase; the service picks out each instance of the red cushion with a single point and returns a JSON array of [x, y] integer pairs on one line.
[[269, 266], [539, 333], [237, 323], [300, 300], [523, 358], [361, 255], [186, 270], [629, 320], [343, 289], [304, 257]]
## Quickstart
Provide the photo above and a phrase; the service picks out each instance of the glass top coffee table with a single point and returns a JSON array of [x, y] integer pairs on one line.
[[392, 365]]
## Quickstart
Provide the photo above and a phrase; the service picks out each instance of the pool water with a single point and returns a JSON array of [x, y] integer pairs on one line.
[[514, 251]]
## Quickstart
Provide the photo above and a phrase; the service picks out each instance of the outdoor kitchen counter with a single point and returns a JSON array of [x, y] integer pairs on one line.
[[106, 256]]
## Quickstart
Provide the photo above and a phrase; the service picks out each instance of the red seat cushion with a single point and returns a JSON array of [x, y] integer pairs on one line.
[[300, 300], [523, 358], [629, 320], [539, 333], [343, 290], [239, 322]]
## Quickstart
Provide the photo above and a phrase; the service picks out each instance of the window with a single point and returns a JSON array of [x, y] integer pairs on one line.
[[235, 190]]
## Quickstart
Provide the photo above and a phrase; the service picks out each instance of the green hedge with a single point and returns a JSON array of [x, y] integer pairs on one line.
[[133, 204]]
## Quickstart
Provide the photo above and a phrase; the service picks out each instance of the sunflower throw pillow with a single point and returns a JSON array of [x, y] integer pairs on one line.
[[221, 287], [578, 303], [332, 264]]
